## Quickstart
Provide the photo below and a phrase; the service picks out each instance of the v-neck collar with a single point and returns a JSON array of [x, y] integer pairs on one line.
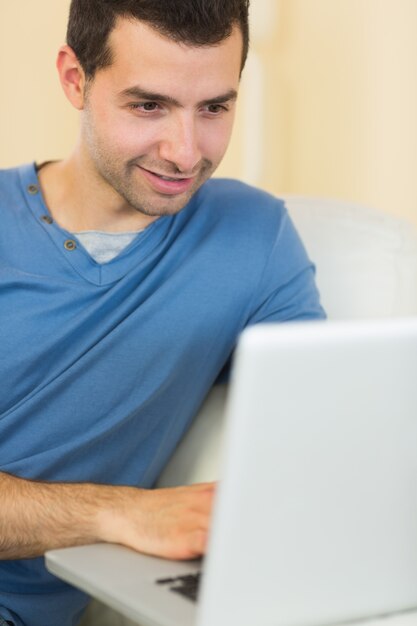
[[74, 252]]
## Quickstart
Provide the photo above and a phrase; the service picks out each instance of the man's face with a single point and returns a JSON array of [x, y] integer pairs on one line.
[[157, 121]]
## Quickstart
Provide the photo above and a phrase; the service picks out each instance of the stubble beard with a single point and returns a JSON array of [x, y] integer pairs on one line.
[[124, 179], [141, 197]]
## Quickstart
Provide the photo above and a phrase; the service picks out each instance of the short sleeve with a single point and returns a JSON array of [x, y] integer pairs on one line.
[[287, 290]]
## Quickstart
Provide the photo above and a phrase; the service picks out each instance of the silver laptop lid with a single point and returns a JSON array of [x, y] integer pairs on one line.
[[316, 516]]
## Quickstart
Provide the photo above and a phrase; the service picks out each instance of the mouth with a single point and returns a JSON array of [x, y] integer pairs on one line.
[[167, 185]]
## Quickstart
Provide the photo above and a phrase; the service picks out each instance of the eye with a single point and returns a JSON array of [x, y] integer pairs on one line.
[[215, 109], [146, 107], [150, 106]]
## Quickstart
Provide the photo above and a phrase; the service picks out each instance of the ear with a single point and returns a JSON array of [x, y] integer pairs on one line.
[[72, 76]]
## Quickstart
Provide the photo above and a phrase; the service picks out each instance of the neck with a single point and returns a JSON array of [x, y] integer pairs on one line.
[[79, 199]]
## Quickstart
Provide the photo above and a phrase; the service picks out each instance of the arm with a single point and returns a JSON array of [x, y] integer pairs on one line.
[[286, 290], [39, 516]]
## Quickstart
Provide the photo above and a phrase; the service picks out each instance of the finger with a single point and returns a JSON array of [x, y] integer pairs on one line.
[[199, 541]]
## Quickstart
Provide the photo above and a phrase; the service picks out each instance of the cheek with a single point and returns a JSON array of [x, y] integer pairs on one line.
[[216, 139], [127, 135], [118, 130]]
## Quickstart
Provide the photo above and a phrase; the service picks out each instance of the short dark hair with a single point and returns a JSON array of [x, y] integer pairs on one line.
[[193, 22]]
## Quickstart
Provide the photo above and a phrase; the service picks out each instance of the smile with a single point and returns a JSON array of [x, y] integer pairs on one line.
[[166, 185]]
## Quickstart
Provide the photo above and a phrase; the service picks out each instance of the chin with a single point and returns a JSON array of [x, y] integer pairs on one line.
[[162, 211], [171, 206]]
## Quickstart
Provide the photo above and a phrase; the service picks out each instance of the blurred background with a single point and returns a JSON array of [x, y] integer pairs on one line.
[[328, 104]]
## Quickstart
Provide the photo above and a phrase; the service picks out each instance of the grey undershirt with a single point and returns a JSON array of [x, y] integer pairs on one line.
[[104, 247]]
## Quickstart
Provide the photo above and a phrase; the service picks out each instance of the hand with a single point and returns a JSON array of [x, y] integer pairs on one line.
[[171, 523]]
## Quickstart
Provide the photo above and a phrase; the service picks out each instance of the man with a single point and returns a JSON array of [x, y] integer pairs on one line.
[[126, 278]]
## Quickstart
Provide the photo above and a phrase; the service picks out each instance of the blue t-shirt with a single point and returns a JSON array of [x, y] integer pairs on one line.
[[104, 366]]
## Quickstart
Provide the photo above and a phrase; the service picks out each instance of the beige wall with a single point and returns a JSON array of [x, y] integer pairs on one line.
[[339, 112], [341, 102], [36, 122]]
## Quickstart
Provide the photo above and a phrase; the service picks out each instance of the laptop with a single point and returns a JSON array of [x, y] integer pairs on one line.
[[315, 519]]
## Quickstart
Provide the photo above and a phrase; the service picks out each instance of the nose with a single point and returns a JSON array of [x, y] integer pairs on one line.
[[180, 144]]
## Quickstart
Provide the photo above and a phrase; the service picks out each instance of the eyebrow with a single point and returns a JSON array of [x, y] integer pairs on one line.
[[143, 94]]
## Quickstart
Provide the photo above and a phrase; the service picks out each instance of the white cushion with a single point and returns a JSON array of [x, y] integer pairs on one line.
[[366, 260], [197, 458]]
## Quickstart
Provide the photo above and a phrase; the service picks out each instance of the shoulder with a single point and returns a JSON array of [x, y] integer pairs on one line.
[[235, 196], [11, 178], [15, 185], [232, 203], [13, 173]]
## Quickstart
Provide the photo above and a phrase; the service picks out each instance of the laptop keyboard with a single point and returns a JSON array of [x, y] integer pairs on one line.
[[186, 586]]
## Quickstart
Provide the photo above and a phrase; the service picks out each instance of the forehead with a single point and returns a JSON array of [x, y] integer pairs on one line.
[[143, 56]]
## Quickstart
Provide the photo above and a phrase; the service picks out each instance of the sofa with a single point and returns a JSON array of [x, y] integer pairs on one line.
[[366, 264]]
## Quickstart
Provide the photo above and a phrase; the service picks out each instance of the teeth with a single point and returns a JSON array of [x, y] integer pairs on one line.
[[168, 178]]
